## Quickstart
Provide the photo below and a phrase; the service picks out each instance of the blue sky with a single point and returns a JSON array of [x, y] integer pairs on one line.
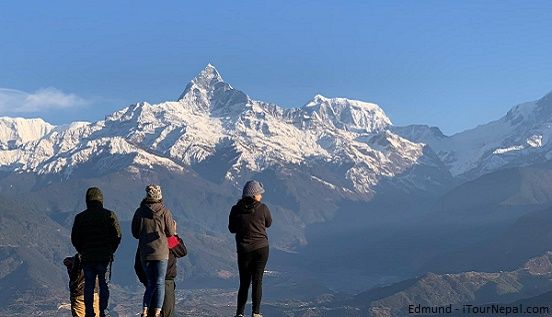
[[451, 64]]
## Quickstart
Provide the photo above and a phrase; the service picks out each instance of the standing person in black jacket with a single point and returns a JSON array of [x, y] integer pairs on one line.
[[96, 234], [177, 249], [152, 224], [249, 219]]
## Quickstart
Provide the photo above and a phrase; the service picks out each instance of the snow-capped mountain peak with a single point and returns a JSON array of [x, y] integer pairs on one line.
[[17, 131], [211, 121], [521, 137], [343, 113], [208, 92], [207, 80]]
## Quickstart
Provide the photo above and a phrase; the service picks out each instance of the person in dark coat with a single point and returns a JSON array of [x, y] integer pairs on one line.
[[248, 220], [76, 286], [152, 224], [177, 249], [96, 235]]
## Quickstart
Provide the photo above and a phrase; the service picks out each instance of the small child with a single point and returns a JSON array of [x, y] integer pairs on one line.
[[76, 287]]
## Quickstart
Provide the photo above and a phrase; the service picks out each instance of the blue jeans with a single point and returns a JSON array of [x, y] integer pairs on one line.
[[91, 271], [155, 289]]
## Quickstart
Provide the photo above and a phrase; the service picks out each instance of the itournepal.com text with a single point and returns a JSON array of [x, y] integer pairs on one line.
[[479, 310]]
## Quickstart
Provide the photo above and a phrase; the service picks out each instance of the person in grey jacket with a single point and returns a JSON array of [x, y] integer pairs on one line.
[[248, 220], [151, 225]]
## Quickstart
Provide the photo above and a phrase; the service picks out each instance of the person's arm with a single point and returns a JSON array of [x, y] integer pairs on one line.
[[115, 231], [76, 268], [268, 217], [170, 229], [232, 226], [135, 227], [178, 248], [75, 234], [68, 262], [138, 269]]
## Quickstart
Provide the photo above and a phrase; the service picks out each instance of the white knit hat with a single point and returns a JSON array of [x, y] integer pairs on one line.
[[153, 193]]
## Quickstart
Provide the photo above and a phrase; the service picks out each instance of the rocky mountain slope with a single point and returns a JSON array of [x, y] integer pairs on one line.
[[32, 248], [474, 288]]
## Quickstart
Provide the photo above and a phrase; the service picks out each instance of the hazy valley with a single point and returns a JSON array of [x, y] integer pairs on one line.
[[369, 217]]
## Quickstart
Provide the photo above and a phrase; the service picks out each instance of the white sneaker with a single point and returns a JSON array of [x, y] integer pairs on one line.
[[257, 315]]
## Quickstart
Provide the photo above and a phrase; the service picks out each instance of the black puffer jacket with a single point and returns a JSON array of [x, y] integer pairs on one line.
[[96, 233], [248, 220]]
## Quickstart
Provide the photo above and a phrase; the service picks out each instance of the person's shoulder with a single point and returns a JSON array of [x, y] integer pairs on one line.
[[108, 213], [80, 215], [235, 208], [163, 211], [139, 208], [263, 206]]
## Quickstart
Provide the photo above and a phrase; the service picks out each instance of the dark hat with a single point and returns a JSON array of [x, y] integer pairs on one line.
[[94, 194]]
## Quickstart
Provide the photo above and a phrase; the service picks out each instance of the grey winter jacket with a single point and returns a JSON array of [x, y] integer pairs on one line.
[[151, 225]]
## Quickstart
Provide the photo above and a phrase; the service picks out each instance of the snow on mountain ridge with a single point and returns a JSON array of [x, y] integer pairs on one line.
[[206, 80], [189, 131], [208, 92], [519, 138], [348, 114], [17, 131], [210, 112]]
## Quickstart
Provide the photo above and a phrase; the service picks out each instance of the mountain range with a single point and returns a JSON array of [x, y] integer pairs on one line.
[[342, 182], [211, 119]]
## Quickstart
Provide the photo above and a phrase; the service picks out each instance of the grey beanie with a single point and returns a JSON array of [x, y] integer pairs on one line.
[[153, 193], [252, 188], [94, 194]]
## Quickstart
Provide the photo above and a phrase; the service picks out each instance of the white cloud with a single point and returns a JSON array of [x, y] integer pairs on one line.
[[42, 100]]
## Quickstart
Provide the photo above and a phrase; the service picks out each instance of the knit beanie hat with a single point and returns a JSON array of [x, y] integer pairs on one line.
[[252, 188], [153, 193], [94, 194]]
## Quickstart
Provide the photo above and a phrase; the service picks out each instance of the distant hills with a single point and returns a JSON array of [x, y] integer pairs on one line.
[[32, 249], [360, 205]]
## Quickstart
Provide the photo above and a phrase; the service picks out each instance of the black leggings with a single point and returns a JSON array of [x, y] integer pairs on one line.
[[251, 266]]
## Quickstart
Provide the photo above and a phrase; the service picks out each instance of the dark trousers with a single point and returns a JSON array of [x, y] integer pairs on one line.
[[251, 266], [170, 299], [91, 272]]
